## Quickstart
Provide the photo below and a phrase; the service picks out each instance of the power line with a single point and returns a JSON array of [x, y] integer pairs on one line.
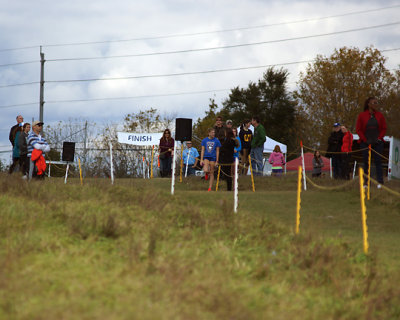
[[166, 94], [19, 84], [18, 63], [230, 46], [19, 105], [19, 48], [178, 74], [224, 30], [140, 97], [387, 50], [166, 75], [191, 73], [119, 98], [208, 32]]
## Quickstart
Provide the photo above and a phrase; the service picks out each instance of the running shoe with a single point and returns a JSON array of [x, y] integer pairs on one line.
[[206, 177]]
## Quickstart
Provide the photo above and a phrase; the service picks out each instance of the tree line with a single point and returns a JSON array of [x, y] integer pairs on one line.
[[331, 89]]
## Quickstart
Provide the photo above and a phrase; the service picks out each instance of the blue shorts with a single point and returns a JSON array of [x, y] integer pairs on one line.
[[210, 159]]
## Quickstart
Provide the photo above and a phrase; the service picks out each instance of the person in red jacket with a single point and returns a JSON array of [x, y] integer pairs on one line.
[[371, 128], [346, 152]]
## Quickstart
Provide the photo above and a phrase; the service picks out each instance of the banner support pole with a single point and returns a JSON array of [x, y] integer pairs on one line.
[[354, 169], [151, 163], [304, 167], [173, 170], [187, 163], [66, 173], [181, 164], [236, 185], [111, 165]]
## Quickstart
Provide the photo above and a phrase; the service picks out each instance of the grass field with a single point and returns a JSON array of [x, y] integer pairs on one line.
[[133, 251]]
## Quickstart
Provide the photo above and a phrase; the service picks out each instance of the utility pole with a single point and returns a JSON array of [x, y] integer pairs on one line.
[[41, 103]]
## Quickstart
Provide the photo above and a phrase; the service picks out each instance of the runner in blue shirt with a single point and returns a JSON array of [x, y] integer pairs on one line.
[[210, 155]]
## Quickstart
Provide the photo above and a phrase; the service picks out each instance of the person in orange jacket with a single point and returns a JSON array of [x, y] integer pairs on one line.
[[346, 149], [40, 162]]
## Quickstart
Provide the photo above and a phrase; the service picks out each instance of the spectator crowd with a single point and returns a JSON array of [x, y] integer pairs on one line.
[[29, 148], [223, 144]]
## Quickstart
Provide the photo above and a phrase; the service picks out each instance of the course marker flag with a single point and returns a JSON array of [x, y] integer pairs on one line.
[[298, 200], [219, 172], [80, 171], [251, 174], [363, 212]]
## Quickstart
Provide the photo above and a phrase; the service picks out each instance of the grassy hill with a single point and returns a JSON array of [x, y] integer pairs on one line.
[[133, 251]]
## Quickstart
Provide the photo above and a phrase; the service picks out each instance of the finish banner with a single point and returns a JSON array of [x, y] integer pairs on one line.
[[139, 139]]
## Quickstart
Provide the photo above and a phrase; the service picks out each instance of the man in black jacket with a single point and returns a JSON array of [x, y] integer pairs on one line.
[[219, 129], [14, 129], [334, 148]]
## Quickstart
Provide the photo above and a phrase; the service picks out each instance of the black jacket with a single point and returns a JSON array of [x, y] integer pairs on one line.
[[23, 146], [335, 141], [220, 133], [13, 132], [226, 151]]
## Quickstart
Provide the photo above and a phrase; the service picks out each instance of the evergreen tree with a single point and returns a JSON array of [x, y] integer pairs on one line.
[[270, 101]]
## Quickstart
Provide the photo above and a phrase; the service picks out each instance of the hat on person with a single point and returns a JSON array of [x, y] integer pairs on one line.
[[336, 124], [35, 123], [229, 122]]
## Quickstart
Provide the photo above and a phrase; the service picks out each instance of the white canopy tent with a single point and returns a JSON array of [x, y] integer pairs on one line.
[[270, 143], [269, 146]]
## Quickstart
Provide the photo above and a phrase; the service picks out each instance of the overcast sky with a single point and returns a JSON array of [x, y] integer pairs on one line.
[[74, 25]]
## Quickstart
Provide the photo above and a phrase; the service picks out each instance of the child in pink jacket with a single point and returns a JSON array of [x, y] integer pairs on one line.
[[277, 160]]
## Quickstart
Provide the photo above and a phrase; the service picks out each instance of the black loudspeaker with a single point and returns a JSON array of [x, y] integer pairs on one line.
[[68, 153], [183, 129]]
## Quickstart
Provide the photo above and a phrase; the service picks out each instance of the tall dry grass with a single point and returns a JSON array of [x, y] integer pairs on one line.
[[133, 251]]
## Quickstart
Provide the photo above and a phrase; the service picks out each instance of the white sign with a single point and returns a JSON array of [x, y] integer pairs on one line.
[[139, 139], [395, 158]]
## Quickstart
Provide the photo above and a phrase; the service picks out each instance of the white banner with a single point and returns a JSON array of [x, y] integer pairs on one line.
[[139, 139]]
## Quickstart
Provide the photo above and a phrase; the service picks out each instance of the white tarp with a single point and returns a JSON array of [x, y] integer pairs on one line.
[[394, 156], [270, 143], [139, 139]]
